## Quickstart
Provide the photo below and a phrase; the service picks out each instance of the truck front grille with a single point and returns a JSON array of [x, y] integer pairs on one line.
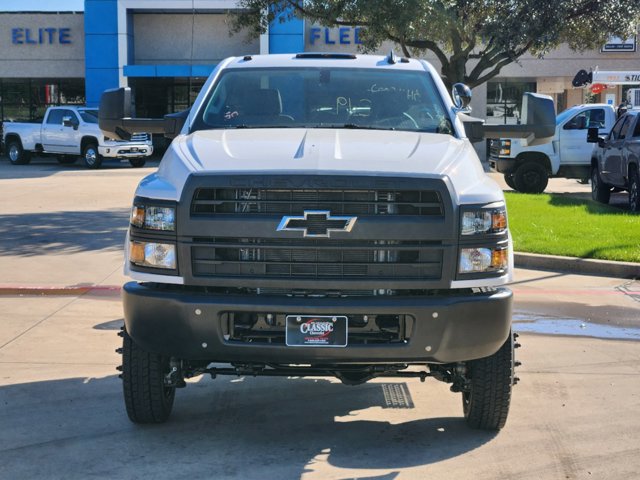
[[315, 259], [494, 148], [210, 201], [139, 137]]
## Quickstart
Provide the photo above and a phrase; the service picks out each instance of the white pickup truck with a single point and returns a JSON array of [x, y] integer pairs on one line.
[[68, 132], [527, 169], [320, 215]]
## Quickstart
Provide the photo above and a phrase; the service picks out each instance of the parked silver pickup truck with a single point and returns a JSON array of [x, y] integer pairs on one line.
[[68, 132]]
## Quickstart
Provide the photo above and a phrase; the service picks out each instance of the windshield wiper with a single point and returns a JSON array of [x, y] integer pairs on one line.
[[355, 126]]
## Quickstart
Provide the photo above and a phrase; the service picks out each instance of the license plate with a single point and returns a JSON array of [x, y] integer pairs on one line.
[[316, 331]]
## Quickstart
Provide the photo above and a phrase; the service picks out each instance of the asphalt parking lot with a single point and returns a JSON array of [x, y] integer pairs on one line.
[[574, 414]]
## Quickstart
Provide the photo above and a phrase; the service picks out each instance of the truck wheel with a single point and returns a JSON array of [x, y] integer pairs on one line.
[[531, 177], [146, 397], [16, 154], [634, 191], [137, 162], [92, 158], [508, 179], [486, 404], [600, 191], [66, 159]]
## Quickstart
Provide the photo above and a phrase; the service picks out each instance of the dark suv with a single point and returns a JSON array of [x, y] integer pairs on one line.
[[614, 166]]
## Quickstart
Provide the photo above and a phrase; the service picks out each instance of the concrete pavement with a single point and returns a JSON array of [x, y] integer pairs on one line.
[[574, 414]]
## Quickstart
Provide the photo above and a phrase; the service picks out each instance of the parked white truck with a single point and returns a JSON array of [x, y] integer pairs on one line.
[[320, 215], [527, 169], [70, 131]]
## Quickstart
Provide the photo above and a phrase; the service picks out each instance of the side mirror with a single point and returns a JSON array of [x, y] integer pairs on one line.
[[538, 121], [69, 122], [116, 117], [592, 135], [461, 95]]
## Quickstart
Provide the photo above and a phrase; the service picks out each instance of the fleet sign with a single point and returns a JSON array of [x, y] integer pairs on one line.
[[40, 36], [333, 36]]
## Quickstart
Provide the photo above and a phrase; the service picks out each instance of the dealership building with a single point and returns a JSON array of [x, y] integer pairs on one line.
[[165, 49]]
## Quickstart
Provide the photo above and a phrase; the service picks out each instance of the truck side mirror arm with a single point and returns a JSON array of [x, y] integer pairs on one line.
[[116, 117]]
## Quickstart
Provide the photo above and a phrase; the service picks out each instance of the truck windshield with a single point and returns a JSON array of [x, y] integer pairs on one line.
[[569, 112], [89, 116], [325, 98]]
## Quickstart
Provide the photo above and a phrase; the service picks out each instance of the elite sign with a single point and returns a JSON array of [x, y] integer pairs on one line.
[[41, 36]]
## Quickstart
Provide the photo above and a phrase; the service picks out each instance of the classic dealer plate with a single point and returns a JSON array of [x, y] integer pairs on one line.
[[316, 331]]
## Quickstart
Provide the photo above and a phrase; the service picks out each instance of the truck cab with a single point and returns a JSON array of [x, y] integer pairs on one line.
[[528, 168]]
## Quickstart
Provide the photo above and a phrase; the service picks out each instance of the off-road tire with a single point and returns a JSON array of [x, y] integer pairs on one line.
[[486, 404], [67, 159], [146, 397], [600, 191], [17, 155], [137, 162], [91, 157], [508, 179], [634, 191], [531, 177]]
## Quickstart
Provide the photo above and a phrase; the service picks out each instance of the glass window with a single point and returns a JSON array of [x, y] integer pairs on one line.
[[587, 119], [325, 98], [636, 132], [55, 117], [625, 127], [615, 131], [504, 100], [28, 99], [89, 116], [155, 97]]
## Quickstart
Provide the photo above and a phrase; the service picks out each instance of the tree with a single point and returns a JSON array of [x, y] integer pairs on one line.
[[472, 39]]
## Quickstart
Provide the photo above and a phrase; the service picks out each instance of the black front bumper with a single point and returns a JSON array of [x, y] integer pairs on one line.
[[189, 325], [503, 165]]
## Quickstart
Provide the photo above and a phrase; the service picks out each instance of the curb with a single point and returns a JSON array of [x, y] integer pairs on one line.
[[73, 290], [579, 266]]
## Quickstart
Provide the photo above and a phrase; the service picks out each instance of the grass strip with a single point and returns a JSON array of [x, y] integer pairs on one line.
[[566, 224]]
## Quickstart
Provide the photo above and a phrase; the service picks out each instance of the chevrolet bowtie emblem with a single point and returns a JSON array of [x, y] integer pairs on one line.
[[317, 223]]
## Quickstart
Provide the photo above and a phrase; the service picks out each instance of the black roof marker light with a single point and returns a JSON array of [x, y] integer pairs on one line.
[[336, 56]]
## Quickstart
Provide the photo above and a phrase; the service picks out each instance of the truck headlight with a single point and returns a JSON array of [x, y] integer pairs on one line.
[[154, 217], [505, 148], [152, 254], [479, 260], [483, 221]]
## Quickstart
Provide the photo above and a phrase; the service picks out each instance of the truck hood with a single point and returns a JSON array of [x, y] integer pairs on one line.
[[328, 152]]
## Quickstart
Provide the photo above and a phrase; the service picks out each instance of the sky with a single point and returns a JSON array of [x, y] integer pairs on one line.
[[41, 5]]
